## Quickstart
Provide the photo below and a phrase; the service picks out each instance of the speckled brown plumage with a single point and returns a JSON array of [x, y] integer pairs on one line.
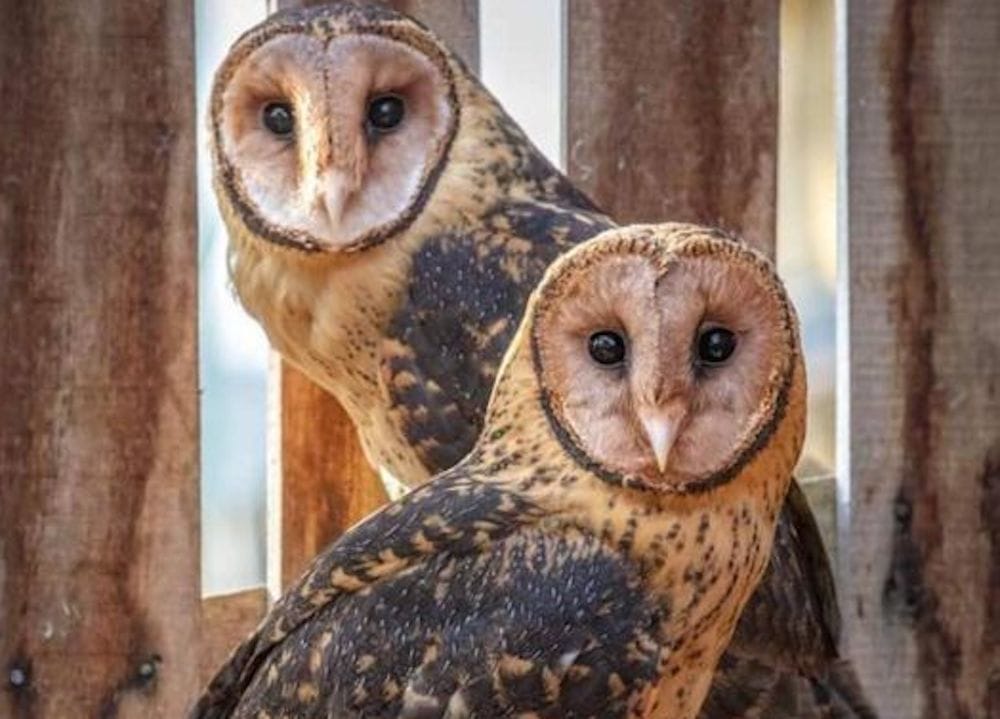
[[525, 582], [408, 324]]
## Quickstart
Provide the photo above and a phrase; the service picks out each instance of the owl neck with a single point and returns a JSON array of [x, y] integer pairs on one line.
[[324, 314]]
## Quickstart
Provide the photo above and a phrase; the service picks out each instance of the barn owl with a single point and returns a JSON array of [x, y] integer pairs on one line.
[[591, 555], [387, 222]]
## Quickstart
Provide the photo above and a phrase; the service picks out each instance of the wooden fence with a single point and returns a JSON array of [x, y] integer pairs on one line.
[[672, 113]]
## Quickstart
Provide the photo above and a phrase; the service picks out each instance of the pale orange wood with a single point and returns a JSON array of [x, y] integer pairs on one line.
[[228, 619], [920, 542], [99, 575], [327, 483], [672, 111]]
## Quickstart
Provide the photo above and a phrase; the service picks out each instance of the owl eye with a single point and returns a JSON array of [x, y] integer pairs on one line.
[[715, 345], [385, 113], [278, 118], [607, 348]]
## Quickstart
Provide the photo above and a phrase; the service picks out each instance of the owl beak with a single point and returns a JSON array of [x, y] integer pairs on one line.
[[662, 425], [335, 189]]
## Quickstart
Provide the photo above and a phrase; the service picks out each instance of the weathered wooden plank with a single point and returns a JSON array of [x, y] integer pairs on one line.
[[326, 482], [673, 108], [99, 584], [228, 619], [920, 540]]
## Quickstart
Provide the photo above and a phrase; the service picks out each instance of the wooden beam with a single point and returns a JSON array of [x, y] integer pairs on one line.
[[672, 111], [326, 484], [99, 580], [920, 537]]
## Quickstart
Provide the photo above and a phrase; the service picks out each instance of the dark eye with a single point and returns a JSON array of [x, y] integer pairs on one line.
[[278, 118], [606, 347], [386, 112], [715, 345]]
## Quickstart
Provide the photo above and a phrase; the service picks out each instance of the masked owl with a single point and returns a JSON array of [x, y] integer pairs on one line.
[[387, 223], [591, 555]]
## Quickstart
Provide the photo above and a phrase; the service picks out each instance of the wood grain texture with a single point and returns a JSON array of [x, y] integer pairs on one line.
[[327, 483], [673, 109], [920, 544], [228, 619], [99, 580]]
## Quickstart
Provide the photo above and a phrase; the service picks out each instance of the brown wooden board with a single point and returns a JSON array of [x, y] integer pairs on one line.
[[228, 619], [326, 483], [99, 580], [920, 542], [672, 111]]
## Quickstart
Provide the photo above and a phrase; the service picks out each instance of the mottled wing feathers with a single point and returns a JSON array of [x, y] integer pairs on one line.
[[451, 514], [740, 689], [792, 621], [462, 306], [747, 689], [536, 624]]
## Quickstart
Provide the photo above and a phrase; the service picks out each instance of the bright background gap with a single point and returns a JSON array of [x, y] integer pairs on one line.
[[807, 207], [232, 353]]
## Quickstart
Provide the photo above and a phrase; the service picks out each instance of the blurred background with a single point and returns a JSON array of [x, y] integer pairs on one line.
[[522, 63]]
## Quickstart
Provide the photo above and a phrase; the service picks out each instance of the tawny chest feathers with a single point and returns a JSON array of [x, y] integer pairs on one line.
[[703, 563], [702, 568]]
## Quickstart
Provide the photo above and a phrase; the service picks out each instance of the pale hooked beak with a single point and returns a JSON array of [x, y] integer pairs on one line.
[[662, 425], [335, 187]]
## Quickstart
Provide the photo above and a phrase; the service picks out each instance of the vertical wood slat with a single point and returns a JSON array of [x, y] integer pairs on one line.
[[672, 111], [326, 482], [99, 579], [920, 542]]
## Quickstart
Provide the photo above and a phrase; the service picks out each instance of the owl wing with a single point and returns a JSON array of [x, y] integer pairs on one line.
[[537, 624], [792, 621], [531, 622], [464, 301], [747, 689], [449, 515]]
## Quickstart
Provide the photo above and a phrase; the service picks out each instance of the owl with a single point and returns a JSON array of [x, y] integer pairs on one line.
[[387, 223], [591, 555]]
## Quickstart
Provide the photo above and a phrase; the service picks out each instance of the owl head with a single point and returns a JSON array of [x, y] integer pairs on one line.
[[665, 357], [336, 128], [330, 126]]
